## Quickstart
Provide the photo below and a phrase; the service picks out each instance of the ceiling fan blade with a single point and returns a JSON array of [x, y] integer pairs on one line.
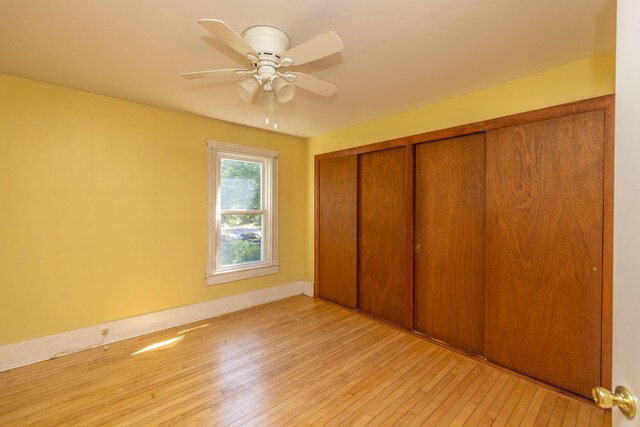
[[216, 73], [318, 47], [314, 84], [227, 35]]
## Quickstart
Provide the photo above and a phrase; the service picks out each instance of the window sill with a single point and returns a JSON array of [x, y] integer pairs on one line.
[[248, 273]]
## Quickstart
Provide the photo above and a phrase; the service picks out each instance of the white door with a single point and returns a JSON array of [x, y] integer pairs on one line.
[[626, 236]]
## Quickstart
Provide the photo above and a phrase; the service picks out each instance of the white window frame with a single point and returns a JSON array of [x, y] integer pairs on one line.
[[216, 273]]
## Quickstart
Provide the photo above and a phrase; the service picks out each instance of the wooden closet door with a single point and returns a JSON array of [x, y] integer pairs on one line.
[[544, 249], [337, 230], [449, 241], [382, 250]]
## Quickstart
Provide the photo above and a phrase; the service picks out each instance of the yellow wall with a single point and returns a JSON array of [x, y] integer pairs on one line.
[[102, 208], [587, 78]]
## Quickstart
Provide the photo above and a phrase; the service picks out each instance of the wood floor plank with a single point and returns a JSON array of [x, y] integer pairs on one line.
[[510, 404], [584, 417], [373, 350], [452, 405], [521, 408], [559, 411], [530, 416], [372, 406], [469, 408], [431, 401], [440, 379], [546, 410], [597, 419], [421, 357], [380, 413], [499, 402], [297, 361], [571, 416]]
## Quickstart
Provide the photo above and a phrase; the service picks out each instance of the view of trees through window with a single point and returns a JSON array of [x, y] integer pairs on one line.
[[240, 192]]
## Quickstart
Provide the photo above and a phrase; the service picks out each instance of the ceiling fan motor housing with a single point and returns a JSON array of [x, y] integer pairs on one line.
[[267, 41], [270, 44]]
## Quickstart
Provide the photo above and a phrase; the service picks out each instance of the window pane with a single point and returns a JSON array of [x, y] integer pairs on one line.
[[241, 239], [240, 184]]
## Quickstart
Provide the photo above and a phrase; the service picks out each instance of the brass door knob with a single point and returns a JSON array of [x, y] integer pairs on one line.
[[622, 398]]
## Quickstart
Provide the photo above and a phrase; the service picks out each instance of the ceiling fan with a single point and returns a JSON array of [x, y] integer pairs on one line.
[[267, 50]]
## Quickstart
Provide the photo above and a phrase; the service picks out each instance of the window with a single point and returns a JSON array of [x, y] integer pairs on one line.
[[241, 212]]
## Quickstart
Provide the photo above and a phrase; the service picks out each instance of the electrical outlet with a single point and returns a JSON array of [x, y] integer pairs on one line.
[[105, 331]]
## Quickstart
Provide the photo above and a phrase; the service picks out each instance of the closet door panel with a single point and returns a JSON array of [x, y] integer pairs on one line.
[[382, 250], [544, 249], [449, 241], [337, 231]]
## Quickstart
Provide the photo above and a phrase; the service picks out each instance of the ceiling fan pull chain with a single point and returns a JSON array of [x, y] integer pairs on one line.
[[275, 116]]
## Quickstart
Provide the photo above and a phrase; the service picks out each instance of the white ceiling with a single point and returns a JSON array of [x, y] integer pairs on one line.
[[398, 54]]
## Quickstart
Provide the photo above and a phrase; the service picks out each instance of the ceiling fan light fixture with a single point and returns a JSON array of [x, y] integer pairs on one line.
[[284, 90], [247, 89]]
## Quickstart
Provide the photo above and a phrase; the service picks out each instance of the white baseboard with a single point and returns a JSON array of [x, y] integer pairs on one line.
[[35, 350]]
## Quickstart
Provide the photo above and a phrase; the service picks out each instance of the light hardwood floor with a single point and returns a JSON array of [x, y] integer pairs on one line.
[[297, 361]]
